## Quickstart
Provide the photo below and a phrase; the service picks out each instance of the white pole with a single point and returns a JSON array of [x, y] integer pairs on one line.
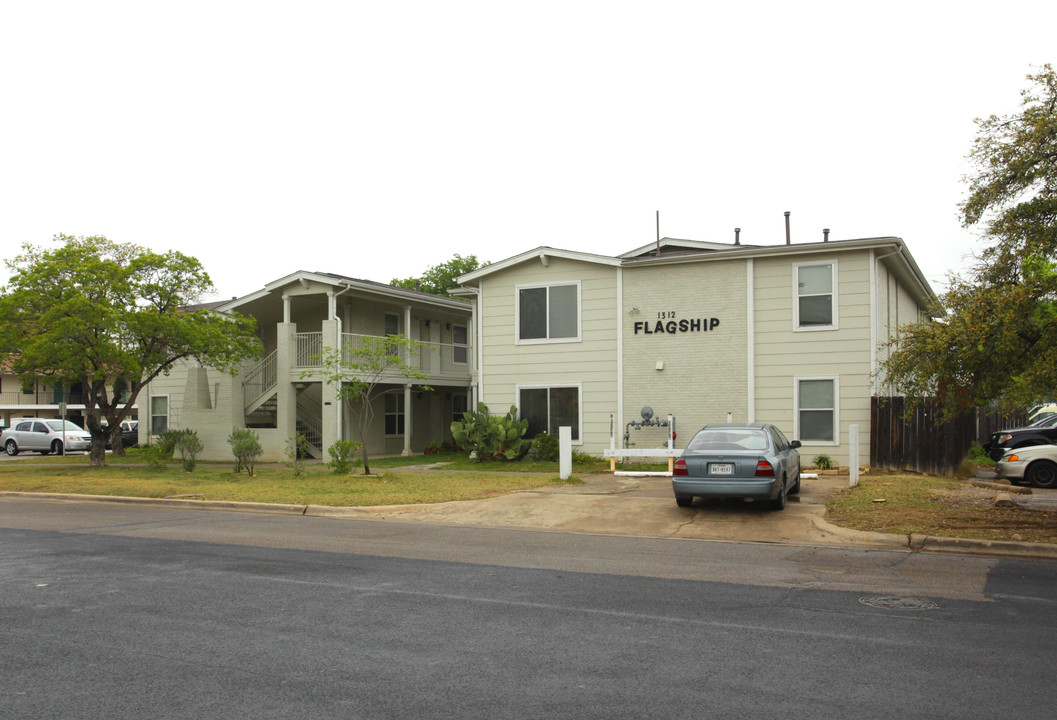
[[853, 456], [565, 452]]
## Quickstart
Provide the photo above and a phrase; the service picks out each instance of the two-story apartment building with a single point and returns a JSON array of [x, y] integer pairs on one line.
[[298, 317], [39, 399], [789, 334]]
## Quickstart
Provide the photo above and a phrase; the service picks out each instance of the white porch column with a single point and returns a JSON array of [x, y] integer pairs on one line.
[[286, 391], [331, 404], [407, 420], [286, 309]]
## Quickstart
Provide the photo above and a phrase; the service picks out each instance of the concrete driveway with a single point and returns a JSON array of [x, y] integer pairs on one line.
[[610, 504]]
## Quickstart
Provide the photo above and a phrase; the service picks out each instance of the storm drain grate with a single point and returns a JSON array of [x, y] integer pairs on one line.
[[892, 602]]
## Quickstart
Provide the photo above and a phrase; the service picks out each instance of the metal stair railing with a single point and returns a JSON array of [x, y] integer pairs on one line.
[[260, 382]]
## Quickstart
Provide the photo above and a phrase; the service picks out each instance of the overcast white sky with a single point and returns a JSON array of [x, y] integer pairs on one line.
[[375, 139]]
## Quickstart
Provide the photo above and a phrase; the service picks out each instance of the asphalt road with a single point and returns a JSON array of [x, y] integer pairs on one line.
[[128, 612]]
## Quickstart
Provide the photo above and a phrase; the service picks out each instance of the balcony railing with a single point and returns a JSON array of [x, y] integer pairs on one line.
[[45, 397], [427, 357], [309, 350]]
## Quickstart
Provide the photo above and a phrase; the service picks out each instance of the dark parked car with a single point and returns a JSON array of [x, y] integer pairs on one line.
[[1003, 441], [129, 434], [753, 461]]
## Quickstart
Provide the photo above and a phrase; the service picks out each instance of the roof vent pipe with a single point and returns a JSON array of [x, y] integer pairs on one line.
[[737, 236], [787, 238], [825, 234]]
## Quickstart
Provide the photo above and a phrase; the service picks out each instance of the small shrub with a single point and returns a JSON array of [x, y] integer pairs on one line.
[[582, 458], [545, 447], [167, 440], [246, 447], [189, 447], [823, 462], [154, 457], [978, 456], [297, 452], [343, 456], [435, 448]]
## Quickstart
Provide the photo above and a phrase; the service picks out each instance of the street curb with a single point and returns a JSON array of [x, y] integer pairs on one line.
[[914, 541], [917, 542], [274, 508]]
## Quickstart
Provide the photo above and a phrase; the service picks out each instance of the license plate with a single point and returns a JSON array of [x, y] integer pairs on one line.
[[721, 469]]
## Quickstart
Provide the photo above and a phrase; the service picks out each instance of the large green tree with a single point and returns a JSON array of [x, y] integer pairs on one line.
[[440, 279], [112, 317], [995, 339]]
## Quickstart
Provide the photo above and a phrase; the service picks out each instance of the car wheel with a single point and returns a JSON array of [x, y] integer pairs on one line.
[[779, 502], [795, 490], [1042, 473], [684, 500], [56, 447], [11, 448]]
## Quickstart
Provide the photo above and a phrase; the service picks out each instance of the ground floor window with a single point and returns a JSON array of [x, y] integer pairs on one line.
[[159, 414], [459, 405], [394, 413], [817, 409], [549, 408]]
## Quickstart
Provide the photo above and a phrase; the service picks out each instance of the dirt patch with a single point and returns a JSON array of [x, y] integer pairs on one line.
[[941, 507]]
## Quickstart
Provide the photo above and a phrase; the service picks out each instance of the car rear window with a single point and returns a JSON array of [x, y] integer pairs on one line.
[[727, 439]]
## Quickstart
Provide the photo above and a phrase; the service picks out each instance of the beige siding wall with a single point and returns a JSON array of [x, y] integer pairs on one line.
[[590, 363], [704, 373], [783, 354]]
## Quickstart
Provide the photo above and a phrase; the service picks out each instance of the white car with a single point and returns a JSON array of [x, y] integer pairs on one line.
[[1034, 464], [45, 436]]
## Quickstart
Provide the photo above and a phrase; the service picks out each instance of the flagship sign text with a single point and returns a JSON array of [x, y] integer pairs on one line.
[[668, 324]]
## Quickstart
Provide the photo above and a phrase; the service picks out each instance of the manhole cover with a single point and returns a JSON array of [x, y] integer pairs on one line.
[[891, 602]]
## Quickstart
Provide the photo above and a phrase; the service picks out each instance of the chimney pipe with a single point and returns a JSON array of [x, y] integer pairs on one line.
[[657, 252], [825, 234], [788, 241], [737, 236]]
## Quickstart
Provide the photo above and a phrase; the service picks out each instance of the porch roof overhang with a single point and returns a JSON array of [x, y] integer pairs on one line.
[[306, 279]]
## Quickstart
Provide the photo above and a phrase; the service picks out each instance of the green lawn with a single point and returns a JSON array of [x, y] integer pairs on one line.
[[277, 483]]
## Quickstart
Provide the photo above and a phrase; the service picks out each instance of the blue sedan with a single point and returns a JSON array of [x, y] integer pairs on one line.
[[753, 461]]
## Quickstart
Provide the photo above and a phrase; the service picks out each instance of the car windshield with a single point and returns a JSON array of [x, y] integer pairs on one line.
[[727, 439], [56, 425]]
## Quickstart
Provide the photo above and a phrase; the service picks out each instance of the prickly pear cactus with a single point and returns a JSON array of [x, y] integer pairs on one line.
[[491, 437]]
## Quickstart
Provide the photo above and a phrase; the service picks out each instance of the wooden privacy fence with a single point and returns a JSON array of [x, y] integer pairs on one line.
[[920, 442]]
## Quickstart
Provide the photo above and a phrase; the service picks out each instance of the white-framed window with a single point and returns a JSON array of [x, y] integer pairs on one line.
[[547, 312], [392, 327], [817, 402], [815, 295], [548, 407], [159, 414], [459, 348], [394, 413], [460, 403]]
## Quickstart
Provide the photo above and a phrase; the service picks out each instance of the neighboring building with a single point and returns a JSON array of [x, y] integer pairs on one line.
[[284, 394], [789, 334], [39, 400]]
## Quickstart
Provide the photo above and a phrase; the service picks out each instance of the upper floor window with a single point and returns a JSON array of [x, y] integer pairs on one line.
[[392, 327], [548, 313], [458, 341], [815, 288]]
